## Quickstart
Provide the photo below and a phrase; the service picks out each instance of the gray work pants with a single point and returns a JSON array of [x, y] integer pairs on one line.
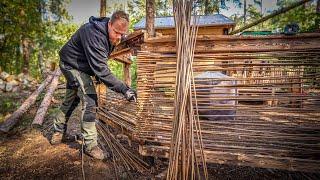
[[80, 88]]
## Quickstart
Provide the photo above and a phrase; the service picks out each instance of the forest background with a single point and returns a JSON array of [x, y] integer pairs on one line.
[[33, 31]]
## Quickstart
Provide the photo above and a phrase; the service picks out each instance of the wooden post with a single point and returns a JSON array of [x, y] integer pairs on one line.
[[126, 74], [103, 8], [150, 18]]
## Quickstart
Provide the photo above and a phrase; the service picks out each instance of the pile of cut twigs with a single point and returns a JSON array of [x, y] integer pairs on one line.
[[121, 156]]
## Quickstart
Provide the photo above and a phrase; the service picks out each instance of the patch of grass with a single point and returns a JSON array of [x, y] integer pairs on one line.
[[8, 104], [52, 111], [1, 118]]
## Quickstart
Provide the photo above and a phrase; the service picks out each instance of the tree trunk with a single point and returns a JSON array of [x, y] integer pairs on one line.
[[42, 110], [150, 18], [206, 7], [41, 62], [103, 8], [14, 118], [26, 54], [317, 20], [245, 12], [18, 61]]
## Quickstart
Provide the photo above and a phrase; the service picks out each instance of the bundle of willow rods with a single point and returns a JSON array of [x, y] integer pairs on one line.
[[183, 159], [276, 95], [115, 110], [121, 156]]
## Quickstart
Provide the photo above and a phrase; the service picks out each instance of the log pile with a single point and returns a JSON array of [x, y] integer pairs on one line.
[[15, 83], [14, 118]]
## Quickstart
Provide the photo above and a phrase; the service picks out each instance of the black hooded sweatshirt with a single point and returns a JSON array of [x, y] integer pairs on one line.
[[88, 50]]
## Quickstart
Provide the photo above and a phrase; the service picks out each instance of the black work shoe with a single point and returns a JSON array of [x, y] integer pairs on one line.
[[95, 152], [56, 138]]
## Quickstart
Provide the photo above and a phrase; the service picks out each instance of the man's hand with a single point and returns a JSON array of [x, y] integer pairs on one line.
[[131, 95]]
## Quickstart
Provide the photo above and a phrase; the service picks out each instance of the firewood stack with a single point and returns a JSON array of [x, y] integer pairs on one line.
[[15, 83]]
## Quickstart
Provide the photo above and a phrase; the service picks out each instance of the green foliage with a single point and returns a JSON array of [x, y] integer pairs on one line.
[[252, 14], [133, 70], [116, 68], [137, 10], [17, 22], [44, 23], [8, 104], [305, 16], [57, 35], [36, 22], [207, 7]]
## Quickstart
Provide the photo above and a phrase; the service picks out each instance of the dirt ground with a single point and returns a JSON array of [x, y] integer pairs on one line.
[[25, 153]]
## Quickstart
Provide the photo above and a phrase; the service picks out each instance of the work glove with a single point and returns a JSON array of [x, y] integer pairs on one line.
[[131, 95], [98, 81]]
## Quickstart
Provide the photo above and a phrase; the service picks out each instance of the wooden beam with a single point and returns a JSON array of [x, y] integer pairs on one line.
[[255, 160], [122, 60], [122, 55], [132, 40], [171, 38], [241, 44], [127, 74]]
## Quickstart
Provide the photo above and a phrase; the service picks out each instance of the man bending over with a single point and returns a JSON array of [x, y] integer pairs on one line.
[[82, 58]]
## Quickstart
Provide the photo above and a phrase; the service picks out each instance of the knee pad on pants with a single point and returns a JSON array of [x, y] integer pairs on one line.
[[90, 108]]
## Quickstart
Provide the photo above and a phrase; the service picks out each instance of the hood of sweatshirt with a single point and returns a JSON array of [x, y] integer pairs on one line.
[[100, 23]]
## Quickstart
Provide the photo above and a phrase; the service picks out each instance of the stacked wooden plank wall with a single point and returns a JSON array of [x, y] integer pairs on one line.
[[276, 93]]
